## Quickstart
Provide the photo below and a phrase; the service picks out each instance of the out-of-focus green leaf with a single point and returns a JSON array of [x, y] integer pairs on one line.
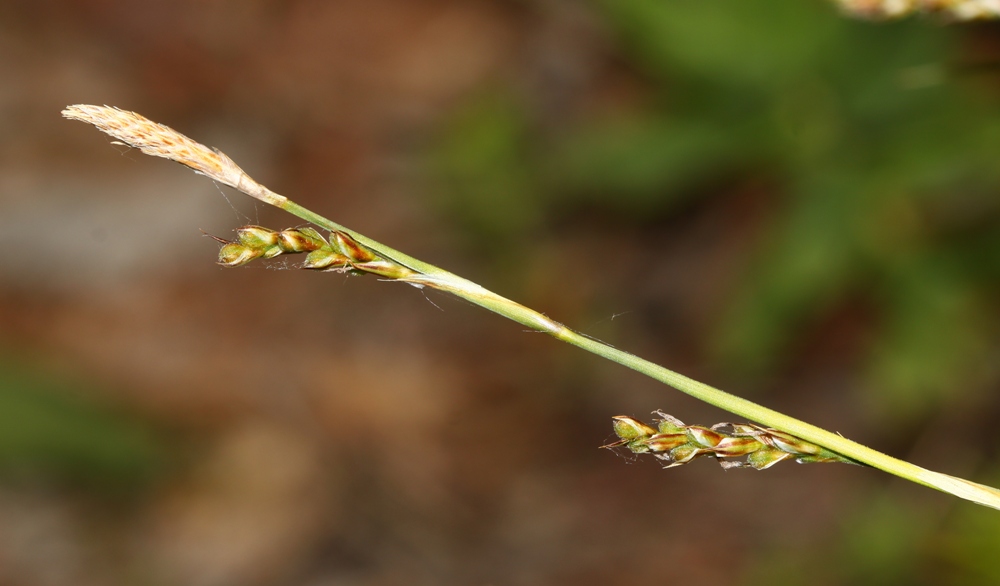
[[760, 43], [968, 548], [46, 428], [882, 154], [807, 266], [933, 343], [650, 164], [886, 542], [483, 164]]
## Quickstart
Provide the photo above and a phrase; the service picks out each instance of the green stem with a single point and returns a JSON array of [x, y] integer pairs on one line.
[[162, 141], [432, 276]]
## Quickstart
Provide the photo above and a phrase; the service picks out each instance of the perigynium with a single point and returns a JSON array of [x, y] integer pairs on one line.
[[678, 444], [778, 437]]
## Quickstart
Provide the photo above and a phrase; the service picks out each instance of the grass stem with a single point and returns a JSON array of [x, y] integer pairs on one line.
[[159, 140]]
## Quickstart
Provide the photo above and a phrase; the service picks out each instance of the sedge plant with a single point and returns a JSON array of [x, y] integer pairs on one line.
[[777, 437]]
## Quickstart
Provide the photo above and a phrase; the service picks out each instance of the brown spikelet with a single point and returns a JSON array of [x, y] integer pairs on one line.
[[159, 140], [677, 444], [342, 253]]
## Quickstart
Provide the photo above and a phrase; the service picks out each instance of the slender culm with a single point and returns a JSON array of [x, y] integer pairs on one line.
[[348, 250]]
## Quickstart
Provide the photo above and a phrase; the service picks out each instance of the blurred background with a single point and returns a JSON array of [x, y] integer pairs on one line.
[[762, 194]]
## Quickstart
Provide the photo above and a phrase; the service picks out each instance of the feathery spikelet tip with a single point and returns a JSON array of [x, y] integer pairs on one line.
[[160, 140]]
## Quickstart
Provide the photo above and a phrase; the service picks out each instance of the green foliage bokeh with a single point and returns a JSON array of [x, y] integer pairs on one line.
[[880, 142], [880, 148]]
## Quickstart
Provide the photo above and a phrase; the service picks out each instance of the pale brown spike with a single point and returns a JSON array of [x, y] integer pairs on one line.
[[159, 140], [957, 9]]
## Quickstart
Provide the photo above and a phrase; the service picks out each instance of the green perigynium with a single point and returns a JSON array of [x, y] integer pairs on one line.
[[341, 253], [678, 444]]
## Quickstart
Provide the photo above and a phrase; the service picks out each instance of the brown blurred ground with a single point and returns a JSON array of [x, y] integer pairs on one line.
[[329, 430]]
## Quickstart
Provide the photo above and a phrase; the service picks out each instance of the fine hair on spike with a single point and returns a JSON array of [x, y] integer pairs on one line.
[[159, 140]]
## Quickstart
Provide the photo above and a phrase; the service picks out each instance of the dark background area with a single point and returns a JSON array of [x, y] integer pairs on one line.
[[764, 195]]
